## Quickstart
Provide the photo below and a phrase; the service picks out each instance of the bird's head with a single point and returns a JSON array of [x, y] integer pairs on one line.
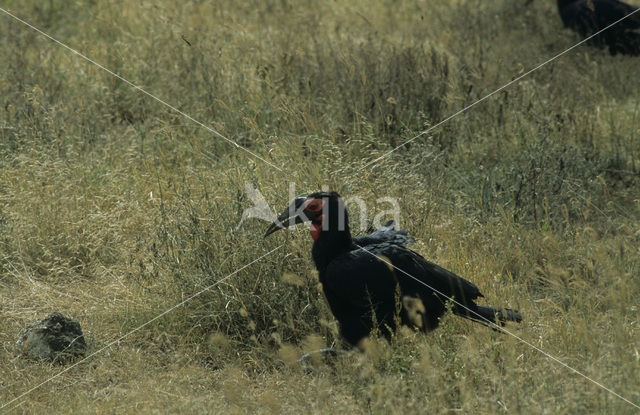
[[325, 211]]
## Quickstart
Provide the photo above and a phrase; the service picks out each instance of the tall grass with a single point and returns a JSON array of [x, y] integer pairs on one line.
[[114, 208]]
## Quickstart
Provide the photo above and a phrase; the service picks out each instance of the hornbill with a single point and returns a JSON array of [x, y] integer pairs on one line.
[[590, 16], [373, 281]]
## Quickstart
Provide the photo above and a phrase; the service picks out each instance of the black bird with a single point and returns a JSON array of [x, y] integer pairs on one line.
[[590, 16], [365, 278]]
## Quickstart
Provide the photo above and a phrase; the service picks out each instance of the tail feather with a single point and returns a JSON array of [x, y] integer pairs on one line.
[[497, 315], [487, 315]]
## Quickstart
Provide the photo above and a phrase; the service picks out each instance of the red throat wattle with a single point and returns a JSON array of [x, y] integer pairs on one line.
[[315, 206], [315, 229]]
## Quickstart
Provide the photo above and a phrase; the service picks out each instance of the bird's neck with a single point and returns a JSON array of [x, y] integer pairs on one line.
[[330, 244]]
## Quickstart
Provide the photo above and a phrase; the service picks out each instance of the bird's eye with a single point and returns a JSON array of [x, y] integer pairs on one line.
[[314, 206]]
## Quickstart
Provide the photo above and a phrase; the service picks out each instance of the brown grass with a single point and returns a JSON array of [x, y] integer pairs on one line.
[[113, 208]]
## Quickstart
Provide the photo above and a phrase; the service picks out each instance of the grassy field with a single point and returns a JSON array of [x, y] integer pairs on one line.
[[114, 208]]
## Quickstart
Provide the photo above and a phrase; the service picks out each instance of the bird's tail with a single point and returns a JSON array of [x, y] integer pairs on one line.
[[487, 314], [498, 315]]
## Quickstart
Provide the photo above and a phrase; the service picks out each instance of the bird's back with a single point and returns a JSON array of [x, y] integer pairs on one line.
[[389, 233]]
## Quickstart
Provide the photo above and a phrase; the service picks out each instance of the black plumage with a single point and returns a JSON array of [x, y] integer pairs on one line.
[[374, 281], [590, 16]]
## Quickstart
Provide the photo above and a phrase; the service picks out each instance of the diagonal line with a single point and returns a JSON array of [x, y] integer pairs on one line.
[[276, 167], [530, 71], [139, 327], [140, 89], [491, 323]]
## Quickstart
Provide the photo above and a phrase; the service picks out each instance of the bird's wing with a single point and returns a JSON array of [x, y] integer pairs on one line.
[[418, 276], [373, 272]]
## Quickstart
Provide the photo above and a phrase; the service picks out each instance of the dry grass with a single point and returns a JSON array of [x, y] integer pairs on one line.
[[113, 208]]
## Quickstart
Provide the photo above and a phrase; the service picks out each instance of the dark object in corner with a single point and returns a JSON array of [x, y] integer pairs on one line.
[[590, 16], [56, 338]]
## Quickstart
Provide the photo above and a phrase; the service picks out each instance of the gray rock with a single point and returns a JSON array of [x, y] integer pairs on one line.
[[56, 338]]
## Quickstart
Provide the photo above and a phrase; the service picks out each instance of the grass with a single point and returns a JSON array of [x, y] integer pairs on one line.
[[113, 208]]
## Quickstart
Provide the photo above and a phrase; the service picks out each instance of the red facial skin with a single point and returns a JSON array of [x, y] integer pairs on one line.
[[315, 229], [315, 206]]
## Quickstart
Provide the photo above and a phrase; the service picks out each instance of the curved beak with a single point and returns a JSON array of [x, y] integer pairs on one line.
[[293, 215]]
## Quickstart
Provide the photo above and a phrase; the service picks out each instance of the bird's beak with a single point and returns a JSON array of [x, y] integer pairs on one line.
[[293, 215]]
